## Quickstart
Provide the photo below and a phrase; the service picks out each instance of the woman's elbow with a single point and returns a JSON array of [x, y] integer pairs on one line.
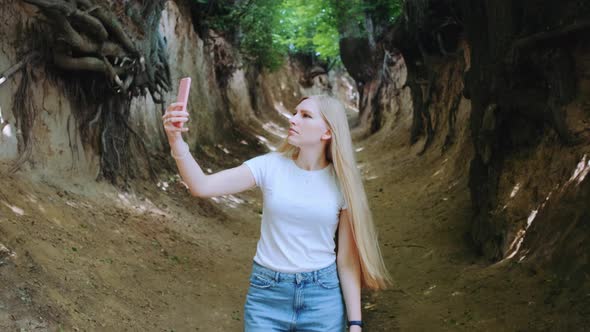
[[347, 260], [197, 190], [198, 193], [344, 261]]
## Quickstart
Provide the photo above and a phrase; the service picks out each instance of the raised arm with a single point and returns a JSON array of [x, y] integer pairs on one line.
[[229, 181]]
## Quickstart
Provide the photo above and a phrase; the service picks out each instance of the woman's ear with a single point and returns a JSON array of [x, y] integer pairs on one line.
[[327, 135]]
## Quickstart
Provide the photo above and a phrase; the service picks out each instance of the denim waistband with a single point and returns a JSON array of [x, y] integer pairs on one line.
[[278, 276]]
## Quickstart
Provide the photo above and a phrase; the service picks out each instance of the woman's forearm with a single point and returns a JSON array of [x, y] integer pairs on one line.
[[349, 272], [190, 172]]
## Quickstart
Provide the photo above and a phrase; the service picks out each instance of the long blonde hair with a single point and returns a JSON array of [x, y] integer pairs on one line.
[[339, 151]]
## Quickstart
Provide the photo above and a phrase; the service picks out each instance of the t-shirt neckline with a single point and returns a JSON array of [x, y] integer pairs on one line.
[[310, 171]]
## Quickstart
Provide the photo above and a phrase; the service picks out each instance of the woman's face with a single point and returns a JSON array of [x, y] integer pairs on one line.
[[308, 127]]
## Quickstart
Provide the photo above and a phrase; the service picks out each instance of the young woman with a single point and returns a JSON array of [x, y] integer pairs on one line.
[[318, 245]]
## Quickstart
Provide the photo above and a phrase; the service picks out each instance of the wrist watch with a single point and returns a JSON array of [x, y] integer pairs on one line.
[[355, 322]]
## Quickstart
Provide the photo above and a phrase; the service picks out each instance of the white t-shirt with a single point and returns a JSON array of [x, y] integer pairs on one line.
[[300, 214]]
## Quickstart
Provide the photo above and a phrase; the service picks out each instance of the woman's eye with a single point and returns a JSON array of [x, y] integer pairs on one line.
[[305, 115]]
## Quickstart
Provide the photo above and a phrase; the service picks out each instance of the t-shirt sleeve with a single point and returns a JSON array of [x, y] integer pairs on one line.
[[259, 167], [343, 205]]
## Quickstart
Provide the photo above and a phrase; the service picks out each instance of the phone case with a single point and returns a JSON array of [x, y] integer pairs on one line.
[[183, 92]]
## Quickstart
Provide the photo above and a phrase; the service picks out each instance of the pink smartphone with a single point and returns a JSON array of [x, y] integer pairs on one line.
[[183, 91]]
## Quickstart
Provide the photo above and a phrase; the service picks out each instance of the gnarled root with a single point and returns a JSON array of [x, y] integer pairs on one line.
[[91, 38]]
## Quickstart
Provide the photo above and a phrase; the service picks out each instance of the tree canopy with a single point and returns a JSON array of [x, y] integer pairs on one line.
[[268, 30]]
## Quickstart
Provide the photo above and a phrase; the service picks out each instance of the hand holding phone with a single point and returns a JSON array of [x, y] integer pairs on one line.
[[183, 92]]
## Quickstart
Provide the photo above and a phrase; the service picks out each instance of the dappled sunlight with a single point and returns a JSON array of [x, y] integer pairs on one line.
[[56, 221], [531, 218], [145, 205], [581, 171], [274, 129], [264, 141], [123, 198], [429, 290], [359, 149], [72, 204], [7, 130], [437, 172], [352, 108], [222, 148], [549, 195], [6, 253], [452, 185], [515, 190], [229, 200], [78, 204], [15, 209], [149, 206], [519, 238], [163, 185], [4, 126], [369, 305], [280, 107], [31, 198], [365, 173]]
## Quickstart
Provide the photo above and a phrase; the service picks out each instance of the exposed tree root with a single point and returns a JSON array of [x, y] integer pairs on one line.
[[526, 42], [91, 38], [31, 57], [24, 120], [111, 59]]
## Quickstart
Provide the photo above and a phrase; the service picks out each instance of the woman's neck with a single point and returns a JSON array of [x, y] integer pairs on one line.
[[312, 159]]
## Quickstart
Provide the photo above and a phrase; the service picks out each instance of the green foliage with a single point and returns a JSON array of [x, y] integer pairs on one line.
[[267, 30], [308, 27], [258, 40], [354, 12], [271, 29]]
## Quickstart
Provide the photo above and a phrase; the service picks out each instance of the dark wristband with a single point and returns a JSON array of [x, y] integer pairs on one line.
[[355, 322]]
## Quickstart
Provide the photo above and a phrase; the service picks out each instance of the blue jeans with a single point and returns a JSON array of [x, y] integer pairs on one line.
[[285, 302]]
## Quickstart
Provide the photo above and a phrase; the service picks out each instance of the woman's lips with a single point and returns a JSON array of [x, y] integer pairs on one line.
[[291, 131]]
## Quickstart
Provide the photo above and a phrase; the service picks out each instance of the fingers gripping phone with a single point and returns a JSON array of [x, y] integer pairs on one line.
[[183, 91]]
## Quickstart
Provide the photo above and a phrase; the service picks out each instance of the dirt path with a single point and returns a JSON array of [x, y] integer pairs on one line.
[[82, 257], [96, 259], [422, 208]]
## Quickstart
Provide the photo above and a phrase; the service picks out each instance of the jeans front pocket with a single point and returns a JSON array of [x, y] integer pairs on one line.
[[261, 281], [329, 281]]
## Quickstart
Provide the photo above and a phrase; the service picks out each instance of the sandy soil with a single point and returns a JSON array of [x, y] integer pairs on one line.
[[82, 256], [422, 209]]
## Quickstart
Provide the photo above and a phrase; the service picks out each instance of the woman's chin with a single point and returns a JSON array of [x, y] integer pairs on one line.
[[291, 141]]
